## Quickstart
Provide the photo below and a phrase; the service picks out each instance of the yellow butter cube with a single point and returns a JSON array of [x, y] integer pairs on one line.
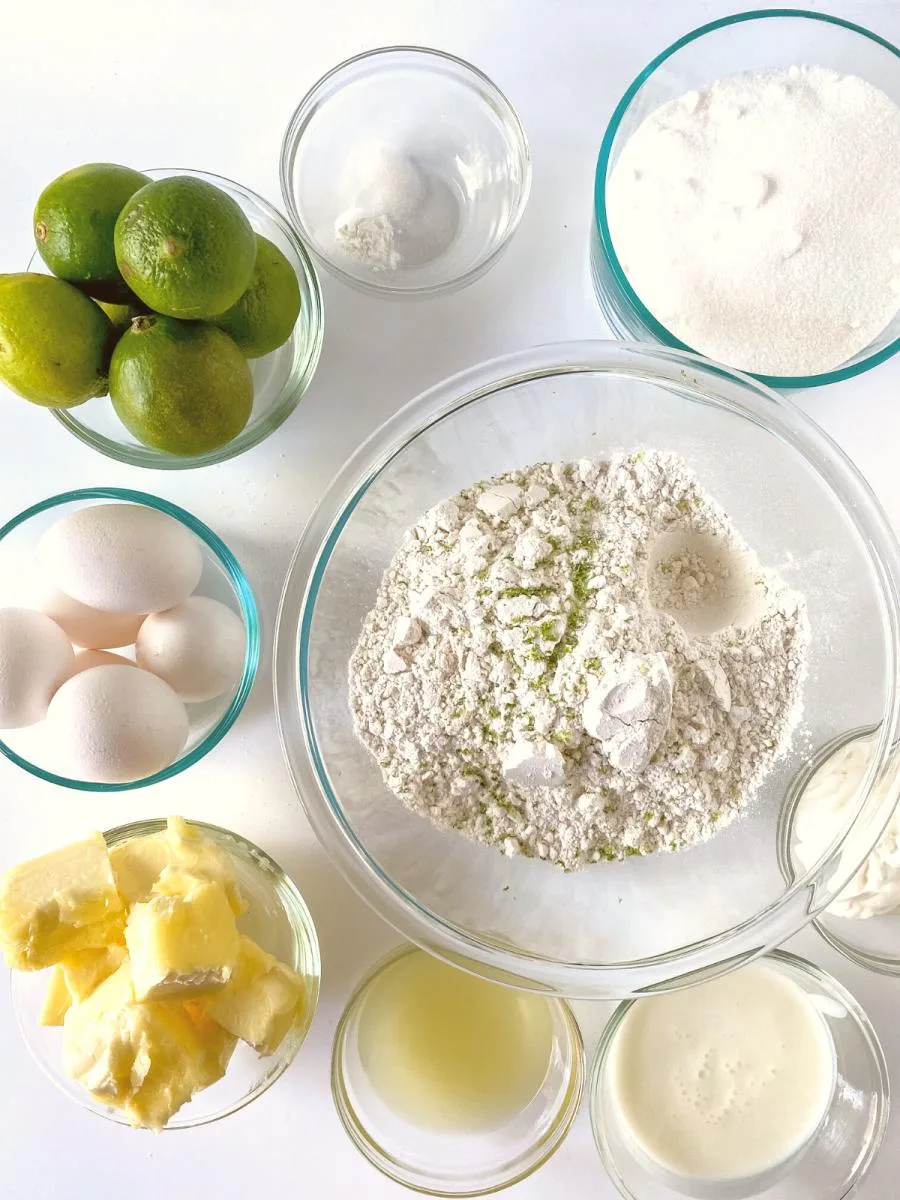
[[98, 1048], [184, 943], [261, 1002], [139, 862], [86, 970], [58, 999], [183, 1059], [147, 1058], [59, 903]]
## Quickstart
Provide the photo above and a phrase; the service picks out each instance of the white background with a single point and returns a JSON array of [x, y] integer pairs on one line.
[[195, 83]]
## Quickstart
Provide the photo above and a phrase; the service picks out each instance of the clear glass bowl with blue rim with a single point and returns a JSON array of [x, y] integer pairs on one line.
[[766, 39], [223, 579]]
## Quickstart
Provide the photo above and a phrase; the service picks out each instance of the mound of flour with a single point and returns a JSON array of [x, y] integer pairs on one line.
[[579, 661]]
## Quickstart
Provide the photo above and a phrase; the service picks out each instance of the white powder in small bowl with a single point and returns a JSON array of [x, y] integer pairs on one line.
[[397, 214]]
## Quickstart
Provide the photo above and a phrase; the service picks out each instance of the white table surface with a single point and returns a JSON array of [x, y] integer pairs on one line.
[[211, 84]]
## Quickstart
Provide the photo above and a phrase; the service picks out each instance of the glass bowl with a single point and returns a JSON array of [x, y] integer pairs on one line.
[[452, 122], [277, 919], [767, 39], [846, 1143], [280, 379], [444, 1163], [873, 942], [613, 929], [223, 579]]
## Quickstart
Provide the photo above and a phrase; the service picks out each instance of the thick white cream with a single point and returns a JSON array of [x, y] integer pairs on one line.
[[824, 812], [725, 1081]]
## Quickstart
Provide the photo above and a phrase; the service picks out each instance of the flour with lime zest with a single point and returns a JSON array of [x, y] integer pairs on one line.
[[528, 676]]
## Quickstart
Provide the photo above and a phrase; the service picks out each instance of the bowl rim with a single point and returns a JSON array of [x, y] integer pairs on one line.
[[653, 327], [308, 106], [715, 953], [312, 309], [393, 1168], [249, 614], [881, 964], [304, 931], [789, 964]]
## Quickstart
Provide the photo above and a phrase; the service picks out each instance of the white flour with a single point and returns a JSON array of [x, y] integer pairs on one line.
[[759, 218], [519, 681]]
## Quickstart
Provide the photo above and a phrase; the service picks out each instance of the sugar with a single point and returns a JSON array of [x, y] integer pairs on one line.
[[759, 218]]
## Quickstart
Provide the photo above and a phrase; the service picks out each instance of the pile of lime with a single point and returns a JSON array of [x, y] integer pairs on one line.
[[160, 293]]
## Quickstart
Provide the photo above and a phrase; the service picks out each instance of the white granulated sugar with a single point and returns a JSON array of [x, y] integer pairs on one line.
[[759, 218], [516, 681]]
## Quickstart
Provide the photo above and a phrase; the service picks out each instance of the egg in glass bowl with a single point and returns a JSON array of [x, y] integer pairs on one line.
[[129, 639]]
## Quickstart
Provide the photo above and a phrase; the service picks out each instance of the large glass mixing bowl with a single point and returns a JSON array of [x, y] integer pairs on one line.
[[614, 929]]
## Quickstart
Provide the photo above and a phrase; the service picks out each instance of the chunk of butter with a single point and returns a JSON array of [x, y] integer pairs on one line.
[[146, 1058], [75, 977], [184, 942], [58, 999], [261, 1002], [86, 970], [59, 903], [139, 862], [184, 1058]]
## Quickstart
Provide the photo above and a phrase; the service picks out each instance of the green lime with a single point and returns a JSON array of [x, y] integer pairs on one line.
[[55, 343], [121, 315], [264, 317], [180, 386], [74, 221], [185, 248]]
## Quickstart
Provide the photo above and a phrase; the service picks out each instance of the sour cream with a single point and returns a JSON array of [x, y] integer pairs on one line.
[[824, 812]]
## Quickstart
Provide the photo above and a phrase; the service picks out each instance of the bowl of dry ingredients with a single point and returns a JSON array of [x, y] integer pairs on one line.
[[406, 171], [553, 647], [746, 199]]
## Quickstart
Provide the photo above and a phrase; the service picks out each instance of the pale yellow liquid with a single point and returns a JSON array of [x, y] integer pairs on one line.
[[448, 1051]]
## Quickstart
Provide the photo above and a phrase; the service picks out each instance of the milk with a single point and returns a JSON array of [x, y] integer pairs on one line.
[[719, 1089]]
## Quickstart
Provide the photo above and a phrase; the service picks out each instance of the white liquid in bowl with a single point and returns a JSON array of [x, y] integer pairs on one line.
[[721, 1087]]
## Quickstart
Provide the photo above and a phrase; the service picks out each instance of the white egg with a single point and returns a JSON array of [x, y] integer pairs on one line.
[[90, 628], [197, 647], [85, 659], [115, 724], [36, 657], [121, 558]]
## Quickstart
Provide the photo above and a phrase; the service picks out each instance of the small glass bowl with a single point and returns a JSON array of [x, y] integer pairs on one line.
[[874, 942], [223, 579], [451, 121], [277, 919], [851, 1133], [456, 1164], [763, 40], [279, 379]]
